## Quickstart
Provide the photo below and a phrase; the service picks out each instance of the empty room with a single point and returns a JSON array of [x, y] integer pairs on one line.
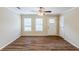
[[39, 28]]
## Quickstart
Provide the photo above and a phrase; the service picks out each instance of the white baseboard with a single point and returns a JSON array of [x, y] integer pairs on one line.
[[8, 43], [40, 35], [71, 42]]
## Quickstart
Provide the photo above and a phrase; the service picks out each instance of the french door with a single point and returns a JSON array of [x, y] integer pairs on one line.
[[52, 25]]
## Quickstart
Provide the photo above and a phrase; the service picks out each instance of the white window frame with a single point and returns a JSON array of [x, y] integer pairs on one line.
[[28, 26]]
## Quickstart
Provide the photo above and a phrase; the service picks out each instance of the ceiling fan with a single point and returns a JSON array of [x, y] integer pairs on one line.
[[41, 11]]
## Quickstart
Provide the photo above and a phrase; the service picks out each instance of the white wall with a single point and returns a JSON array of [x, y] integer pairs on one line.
[[9, 27], [71, 26]]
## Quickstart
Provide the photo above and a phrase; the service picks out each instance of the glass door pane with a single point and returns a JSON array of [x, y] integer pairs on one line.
[[39, 24]]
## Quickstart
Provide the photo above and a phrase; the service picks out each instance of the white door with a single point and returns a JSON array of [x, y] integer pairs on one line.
[[51, 26]]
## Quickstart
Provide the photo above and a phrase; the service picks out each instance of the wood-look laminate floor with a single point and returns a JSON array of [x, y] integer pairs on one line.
[[36, 43]]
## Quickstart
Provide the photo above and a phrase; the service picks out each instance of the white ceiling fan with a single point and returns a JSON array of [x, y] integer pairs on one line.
[[42, 11]]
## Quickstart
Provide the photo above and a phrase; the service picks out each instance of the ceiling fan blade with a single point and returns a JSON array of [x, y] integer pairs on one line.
[[18, 7], [48, 11]]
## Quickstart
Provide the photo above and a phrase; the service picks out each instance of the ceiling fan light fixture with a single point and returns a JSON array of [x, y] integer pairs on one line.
[[41, 12]]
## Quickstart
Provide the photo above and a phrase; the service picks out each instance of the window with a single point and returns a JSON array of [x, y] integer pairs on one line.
[[39, 24], [27, 24], [51, 20]]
